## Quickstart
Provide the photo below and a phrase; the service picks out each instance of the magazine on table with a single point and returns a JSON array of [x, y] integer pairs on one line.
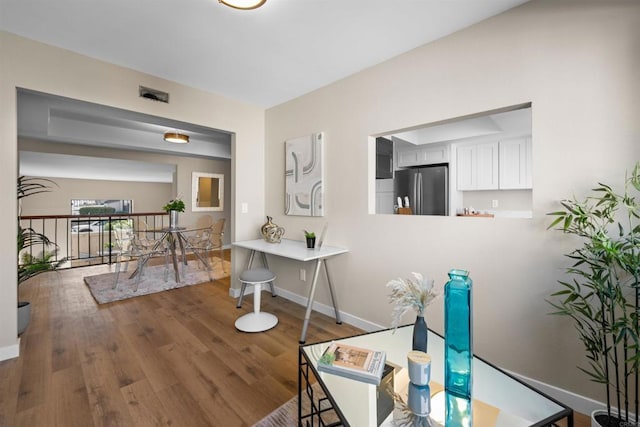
[[353, 362]]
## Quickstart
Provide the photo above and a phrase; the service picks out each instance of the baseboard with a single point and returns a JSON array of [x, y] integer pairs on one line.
[[319, 307], [328, 310], [578, 403], [10, 351]]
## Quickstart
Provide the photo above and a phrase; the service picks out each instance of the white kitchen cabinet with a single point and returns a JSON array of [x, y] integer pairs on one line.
[[465, 167], [477, 166], [424, 155], [384, 196], [515, 164]]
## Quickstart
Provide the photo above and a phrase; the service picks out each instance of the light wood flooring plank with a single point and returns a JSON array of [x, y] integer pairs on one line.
[[68, 392], [144, 406], [126, 366], [156, 369], [34, 416], [178, 400], [203, 383], [35, 381], [10, 371], [64, 351], [108, 407]]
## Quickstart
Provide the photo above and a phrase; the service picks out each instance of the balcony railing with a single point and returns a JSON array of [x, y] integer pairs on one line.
[[88, 239]]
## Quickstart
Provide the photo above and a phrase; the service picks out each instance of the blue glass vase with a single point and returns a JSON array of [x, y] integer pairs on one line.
[[420, 332], [458, 334], [458, 411]]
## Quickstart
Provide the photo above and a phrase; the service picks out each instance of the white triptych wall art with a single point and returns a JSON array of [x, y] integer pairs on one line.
[[304, 176]]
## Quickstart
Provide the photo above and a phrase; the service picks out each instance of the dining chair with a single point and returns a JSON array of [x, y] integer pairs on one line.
[[204, 221], [209, 239], [216, 238], [130, 246], [199, 237]]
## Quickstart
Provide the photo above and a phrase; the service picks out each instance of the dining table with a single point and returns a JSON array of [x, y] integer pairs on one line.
[[176, 237]]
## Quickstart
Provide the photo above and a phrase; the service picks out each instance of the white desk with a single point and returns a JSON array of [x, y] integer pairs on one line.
[[298, 250]]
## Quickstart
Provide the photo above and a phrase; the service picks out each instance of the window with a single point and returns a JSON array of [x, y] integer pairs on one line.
[[100, 207]]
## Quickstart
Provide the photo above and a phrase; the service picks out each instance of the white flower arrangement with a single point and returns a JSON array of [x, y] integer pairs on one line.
[[416, 293]]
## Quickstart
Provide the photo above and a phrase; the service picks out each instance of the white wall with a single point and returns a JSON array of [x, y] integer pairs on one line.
[[30, 65], [145, 195], [577, 63]]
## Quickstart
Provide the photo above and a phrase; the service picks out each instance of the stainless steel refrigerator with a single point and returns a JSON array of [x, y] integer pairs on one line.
[[427, 188]]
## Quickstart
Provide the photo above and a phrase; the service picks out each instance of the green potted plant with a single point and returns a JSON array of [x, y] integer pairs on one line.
[[311, 239], [603, 293], [173, 207], [30, 265]]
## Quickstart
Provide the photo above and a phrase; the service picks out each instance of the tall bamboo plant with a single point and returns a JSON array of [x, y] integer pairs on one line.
[[603, 294]]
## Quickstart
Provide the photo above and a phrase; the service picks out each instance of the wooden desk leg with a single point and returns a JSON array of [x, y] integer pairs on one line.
[[334, 300], [312, 292]]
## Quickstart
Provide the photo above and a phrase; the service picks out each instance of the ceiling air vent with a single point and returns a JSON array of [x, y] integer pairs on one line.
[[153, 94]]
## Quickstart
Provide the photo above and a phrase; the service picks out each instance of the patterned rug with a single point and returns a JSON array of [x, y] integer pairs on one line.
[[285, 416], [152, 280]]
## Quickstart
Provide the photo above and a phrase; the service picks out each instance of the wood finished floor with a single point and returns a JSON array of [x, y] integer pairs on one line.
[[167, 359]]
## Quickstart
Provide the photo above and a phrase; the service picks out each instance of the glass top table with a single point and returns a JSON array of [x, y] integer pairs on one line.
[[499, 399]]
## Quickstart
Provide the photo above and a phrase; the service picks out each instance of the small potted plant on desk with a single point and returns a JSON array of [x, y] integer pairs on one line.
[[311, 239], [173, 207]]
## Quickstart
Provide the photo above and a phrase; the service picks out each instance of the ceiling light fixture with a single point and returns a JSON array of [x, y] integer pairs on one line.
[[243, 4], [176, 138]]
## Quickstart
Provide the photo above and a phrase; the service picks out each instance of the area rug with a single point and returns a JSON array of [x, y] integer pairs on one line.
[[152, 280], [284, 416], [287, 414]]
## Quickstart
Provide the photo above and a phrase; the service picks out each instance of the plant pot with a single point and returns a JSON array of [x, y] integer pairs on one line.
[[24, 315], [173, 219], [311, 242], [600, 418], [420, 334]]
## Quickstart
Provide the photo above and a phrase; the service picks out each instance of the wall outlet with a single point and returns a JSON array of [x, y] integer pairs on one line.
[[303, 274], [494, 203], [244, 207]]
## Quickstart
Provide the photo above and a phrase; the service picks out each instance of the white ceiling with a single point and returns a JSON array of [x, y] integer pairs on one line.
[[82, 167], [264, 57], [55, 118], [58, 119], [509, 123]]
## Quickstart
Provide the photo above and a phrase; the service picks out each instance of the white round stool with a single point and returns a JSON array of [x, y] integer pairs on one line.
[[257, 321]]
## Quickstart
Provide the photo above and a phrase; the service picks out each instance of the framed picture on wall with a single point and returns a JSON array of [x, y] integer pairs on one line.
[[304, 175]]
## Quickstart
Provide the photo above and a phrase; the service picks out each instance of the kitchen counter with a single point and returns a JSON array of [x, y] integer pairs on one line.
[[481, 215], [501, 214]]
